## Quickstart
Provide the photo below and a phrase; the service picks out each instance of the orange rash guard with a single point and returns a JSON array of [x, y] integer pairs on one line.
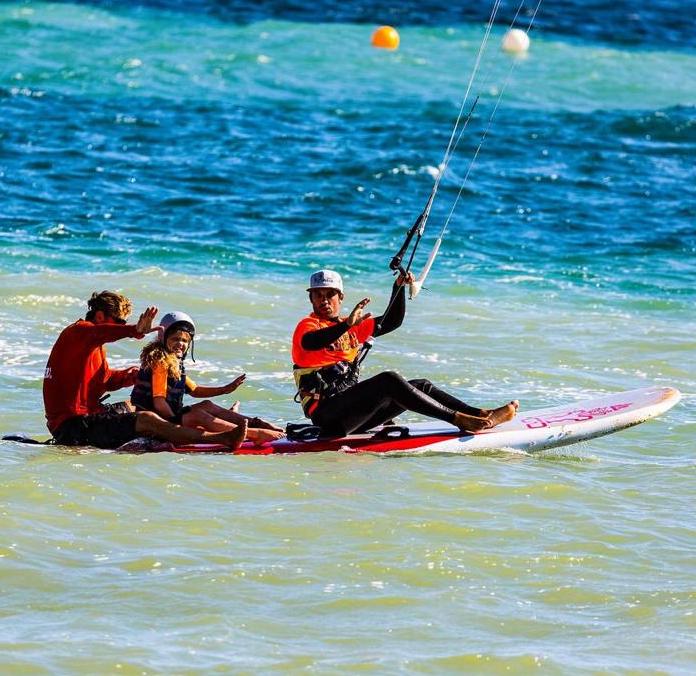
[[160, 375], [344, 349]]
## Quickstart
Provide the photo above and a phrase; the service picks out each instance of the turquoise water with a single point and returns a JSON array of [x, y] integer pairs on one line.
[[208, 160]]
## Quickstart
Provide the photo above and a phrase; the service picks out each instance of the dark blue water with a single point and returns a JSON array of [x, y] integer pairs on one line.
[[178, 183], [228, 137], [661, 22]]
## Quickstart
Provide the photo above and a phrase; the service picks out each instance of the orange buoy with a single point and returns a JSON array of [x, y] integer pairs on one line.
[[385, 37]]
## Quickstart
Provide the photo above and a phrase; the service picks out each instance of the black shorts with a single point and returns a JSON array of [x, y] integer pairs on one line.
[[109, 429]]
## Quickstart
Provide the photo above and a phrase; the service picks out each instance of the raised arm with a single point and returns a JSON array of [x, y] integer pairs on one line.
[[396, 308], [115, 379], [321, 338]]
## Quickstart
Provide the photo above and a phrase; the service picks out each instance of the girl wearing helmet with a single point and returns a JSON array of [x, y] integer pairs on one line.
[[162, 383]]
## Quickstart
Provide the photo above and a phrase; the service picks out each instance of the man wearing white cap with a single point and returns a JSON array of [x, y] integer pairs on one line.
[[325, 354]]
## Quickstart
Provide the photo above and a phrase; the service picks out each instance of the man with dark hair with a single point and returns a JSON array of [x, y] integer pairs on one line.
[[78, 376]]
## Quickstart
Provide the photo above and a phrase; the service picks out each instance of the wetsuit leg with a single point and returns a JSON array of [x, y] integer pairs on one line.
[[392, 410], [446, 399], [375, 400], [382, 416]]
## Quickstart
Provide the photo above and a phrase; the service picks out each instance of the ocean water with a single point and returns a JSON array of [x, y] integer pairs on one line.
[[208, 156]]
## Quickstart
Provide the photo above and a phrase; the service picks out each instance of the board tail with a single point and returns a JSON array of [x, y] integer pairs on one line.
[[20, 438]]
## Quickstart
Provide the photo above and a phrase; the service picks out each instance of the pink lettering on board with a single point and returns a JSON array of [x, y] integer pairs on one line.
[[574, 415]]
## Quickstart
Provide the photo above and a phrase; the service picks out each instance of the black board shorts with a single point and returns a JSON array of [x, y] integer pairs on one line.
[[109, 429]]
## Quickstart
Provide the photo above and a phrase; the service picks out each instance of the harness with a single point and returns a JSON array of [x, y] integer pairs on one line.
[[315, 384], [176, 389], [141, 396]]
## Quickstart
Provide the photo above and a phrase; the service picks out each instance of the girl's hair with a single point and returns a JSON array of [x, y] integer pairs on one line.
[[156, 353]]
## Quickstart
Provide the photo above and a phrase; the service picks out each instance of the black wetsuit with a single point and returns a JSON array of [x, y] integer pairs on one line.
[[376, 400]]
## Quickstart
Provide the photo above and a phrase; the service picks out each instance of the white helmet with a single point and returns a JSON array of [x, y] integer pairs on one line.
[[177, 320]]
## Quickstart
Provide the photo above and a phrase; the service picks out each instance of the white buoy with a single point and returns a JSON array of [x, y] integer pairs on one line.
[[516, 41]]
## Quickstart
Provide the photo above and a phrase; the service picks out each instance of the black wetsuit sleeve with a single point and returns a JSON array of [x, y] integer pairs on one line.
[[321, 338], [396, 310]]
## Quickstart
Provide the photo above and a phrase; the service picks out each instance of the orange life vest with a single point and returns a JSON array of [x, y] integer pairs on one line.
[[320, 373]]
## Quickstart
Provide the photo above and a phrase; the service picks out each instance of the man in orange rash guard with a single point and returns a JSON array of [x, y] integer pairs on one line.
[[324, 350], [78, 375]]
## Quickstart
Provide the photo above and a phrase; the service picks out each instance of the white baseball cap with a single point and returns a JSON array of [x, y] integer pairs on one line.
[[325, 279]]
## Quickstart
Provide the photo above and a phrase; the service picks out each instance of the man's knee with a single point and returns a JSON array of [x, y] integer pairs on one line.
[[422, 384], [391, 383], [390, 377], [146, 421]]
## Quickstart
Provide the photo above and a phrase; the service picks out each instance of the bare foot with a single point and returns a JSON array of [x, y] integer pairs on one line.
[[503, 413], [234, 438], [261, 424], [261, 436], [471, 423], [235, 407]]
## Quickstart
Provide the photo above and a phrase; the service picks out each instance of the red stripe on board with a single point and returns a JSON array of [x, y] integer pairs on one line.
[[366, 444]]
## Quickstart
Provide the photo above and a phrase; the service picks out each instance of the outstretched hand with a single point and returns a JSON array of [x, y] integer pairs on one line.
[[144, 324], [357, 316], [231, 387]]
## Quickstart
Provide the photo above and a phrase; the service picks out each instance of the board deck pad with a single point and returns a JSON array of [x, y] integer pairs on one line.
[[529, 431]]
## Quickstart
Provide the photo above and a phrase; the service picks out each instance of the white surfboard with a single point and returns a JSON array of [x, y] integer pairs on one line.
[[540, 429], [529, 431]]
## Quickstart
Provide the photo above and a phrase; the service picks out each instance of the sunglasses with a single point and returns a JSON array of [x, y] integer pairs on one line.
[[117, 320]]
